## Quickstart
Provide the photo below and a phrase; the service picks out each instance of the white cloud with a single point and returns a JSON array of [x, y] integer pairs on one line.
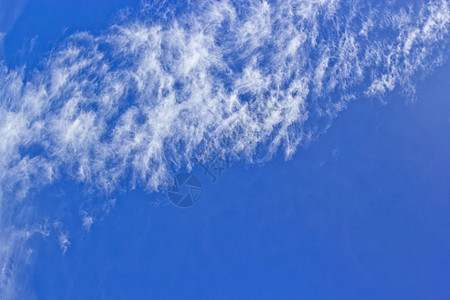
[[87, 220], [64, 242], [140, 100]]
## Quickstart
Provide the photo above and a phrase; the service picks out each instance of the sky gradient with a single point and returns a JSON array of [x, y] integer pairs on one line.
[[335, 116]]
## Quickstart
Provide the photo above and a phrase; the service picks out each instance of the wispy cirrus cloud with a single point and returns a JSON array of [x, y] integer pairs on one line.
[[131, 105]]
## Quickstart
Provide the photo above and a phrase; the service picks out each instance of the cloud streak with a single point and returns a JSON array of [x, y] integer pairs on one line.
[[127, 107]]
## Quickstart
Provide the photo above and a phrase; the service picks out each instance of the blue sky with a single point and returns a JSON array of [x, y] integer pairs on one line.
[[339, 185]]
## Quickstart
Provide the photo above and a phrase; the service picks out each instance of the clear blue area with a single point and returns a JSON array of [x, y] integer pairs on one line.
[[362, 213]]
